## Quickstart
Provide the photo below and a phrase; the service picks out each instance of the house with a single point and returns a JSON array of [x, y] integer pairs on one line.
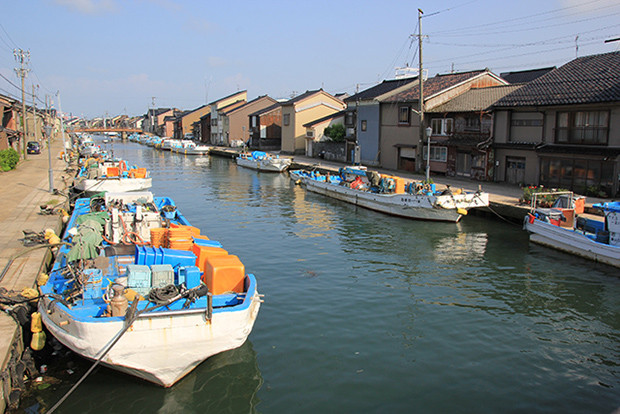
[[234, 119], [300, 110], [563, 128], [183, 125], [461, 133], [266, 128], [217, 126], [362, 117], [400, 142], [9, 135], [154, 120], [167, 128], [315, 136]]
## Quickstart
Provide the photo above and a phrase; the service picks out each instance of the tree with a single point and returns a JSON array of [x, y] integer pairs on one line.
[[335, 132]]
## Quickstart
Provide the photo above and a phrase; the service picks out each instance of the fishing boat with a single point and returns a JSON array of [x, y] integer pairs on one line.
[[561, 227], [188, 147], [138, 289], [392, 195], [98, 175], [262, 161]]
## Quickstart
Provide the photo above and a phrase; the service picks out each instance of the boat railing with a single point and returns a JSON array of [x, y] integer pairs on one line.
[[536, 197]]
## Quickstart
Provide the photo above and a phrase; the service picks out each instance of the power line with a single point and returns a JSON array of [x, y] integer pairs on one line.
[[530, 28], [448, 9], [7, 35], [502, 22]]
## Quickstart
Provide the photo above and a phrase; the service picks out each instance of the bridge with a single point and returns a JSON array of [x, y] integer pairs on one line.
[[101, 129]]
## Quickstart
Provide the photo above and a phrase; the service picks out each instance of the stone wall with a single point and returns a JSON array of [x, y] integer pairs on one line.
[[330, 151]]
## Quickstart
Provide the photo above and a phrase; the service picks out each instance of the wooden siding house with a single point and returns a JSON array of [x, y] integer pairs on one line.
[[400, 145], [266, 128], [461, 133], [563, 128]]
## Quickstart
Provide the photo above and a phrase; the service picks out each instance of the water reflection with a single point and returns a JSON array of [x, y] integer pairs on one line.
[[225, 383]]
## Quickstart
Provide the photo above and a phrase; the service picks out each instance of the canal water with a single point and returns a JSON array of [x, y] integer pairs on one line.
[[366, 312]]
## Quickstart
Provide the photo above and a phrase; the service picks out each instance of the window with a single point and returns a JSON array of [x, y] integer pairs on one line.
[[444, 126], [588, 177], [349, 118], [439, 154], [472, 124], [254, 118], [286, 119], [404, 115], [310, 133], [363, 125], [583, 127]]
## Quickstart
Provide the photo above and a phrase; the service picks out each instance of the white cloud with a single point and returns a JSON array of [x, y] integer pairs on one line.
[[89, 6], [216, 61]]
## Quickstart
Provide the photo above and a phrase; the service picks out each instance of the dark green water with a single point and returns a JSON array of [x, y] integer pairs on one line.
[[365, 312]]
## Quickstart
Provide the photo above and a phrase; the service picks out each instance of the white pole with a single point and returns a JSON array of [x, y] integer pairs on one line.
[[62, 127]]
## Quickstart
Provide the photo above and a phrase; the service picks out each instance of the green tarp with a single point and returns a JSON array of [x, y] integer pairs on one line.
[[88, 237]]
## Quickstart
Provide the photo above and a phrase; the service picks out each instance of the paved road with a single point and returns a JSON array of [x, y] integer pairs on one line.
[[22, 191]]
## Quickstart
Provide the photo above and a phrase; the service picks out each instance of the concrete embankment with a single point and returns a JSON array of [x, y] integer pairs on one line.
[[23, 191]]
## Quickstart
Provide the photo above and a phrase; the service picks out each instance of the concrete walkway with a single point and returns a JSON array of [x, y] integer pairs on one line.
[[22, 191]]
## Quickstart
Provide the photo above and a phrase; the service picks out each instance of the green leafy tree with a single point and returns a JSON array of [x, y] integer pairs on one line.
[[335, 132]]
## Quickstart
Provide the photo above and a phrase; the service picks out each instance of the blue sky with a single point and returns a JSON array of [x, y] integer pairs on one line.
[[115, 55]]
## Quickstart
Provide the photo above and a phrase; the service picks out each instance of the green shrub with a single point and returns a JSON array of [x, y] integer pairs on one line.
[[335, 132], [8, 159]]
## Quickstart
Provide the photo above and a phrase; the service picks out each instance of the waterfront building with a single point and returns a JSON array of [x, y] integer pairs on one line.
[[298, 111], [563, 128]]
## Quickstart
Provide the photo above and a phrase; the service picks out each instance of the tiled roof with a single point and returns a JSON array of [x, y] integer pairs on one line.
[[380, 89], [589, 79], [476, 99], [524, 76], [433, 86], [325, 118]]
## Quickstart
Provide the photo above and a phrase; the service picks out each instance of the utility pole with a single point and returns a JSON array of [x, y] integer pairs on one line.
[[48, 132], [420, 145], [34, 111], [22, 58]]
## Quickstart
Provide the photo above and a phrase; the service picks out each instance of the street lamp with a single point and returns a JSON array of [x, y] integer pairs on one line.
[[48, 132], [429, 131]]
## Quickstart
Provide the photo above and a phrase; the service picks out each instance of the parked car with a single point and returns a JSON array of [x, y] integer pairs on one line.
[[33, 147]]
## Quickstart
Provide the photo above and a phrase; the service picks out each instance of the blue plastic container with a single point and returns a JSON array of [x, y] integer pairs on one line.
[[177, 258], [92, 287], [210, 243], [139, 278], [190, 275]]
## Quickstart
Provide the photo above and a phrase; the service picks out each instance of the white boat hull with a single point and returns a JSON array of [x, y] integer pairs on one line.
[[114, 185], [192, 151], [423, 207], [160, 348], [571, 241], [271, 164]]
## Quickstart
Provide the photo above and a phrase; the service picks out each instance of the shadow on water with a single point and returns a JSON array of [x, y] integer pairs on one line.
[[225, 383]]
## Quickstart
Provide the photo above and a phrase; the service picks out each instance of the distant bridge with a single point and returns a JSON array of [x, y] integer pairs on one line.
[[119, 130]]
